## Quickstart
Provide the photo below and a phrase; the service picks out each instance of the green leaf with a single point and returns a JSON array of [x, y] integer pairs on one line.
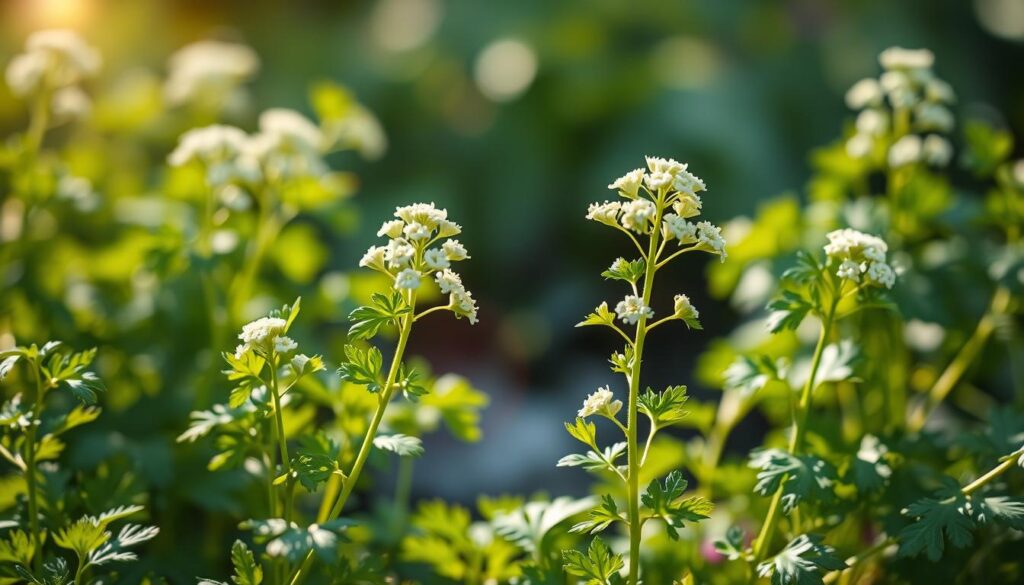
[[733, 546], [837, 361], [869, 469], [247, 570], [787, 311], [290, 541], [367, 320], [803, 477], [17, 548], [528, 526], [807, 268], [402, 445], [304, 365], [598, 566], [627, 270], [459, 403], [245, 372], [8, 363], [1003, 509], [315, 460], [935, 521], [600, 316], [600, 517], [595, 461], [78, 416], [363, 367], [986, 147], [750, 373], [804, 561], [665, 501], [584, 432], [665, 407], [410, 383]]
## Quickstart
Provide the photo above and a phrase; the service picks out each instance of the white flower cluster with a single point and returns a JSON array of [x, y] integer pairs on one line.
[[860, 257], [411, 255], [209, 72], [667, 183], [55, 61], [265, 335], [602, 401], [287, 146], [906, 90], [631, 309]]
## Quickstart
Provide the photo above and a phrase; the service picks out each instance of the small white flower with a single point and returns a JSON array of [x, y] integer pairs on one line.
[[929, 116], [668, 166], [374, 258], [637, 214], [407, 278], [687, 182], [416, 231], [602, 401], [629, 184], [848, 242], [1018, 172], [937, 90], [864, 93], [398, 253], [25, 72], [658, 180], [859, 146], [872, 122], [391, 229], [849, 270], [687, 205], [631, 309], [606, 213], [435, 259], [891, 81], [208, 69], [447, 229], [905, 151], [71, 58], [292, 129], [210, 145], [448, 281], [679, 228], [284, 344], [70, 103], [423, 213], [464, 305], [710, 237], [906, 59], [261, 333], [882, 273], [684, 309], [936, 150], [454, 250]]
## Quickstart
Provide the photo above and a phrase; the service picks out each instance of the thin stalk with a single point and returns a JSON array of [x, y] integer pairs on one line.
[[282, 442], [967, 490], [632, 447], [30, 473], [364, 450], [963, 359], [796, 439], [39, 121]]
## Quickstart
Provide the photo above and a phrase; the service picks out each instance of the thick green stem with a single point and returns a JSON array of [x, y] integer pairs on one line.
[[796, 438], [30, 473], [349, 482], [632, 444], [964, 358]]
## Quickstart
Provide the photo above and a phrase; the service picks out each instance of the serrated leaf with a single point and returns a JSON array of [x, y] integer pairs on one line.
[[367, 320], [593, 460], [600, 316], [802, 477], [584, 432], [363, 367], [402, 445], [788, 310], [665, 501], [665, 407], [626, 270], [804, 561], [598, 566], [247, 570], [750, 373], [936, 521], [600, 517]]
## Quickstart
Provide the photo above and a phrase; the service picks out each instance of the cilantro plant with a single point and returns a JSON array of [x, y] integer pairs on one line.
[[659, 203], [35, 431]]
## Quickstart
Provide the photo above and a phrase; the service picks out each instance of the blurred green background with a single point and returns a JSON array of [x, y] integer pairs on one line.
[[514, 116]]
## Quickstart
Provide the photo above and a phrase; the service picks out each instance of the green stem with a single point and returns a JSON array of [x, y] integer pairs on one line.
[[30, 473], [796, 439], [367, 446], [963, 359], [632, 446], [967, 490], [39, 121]]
